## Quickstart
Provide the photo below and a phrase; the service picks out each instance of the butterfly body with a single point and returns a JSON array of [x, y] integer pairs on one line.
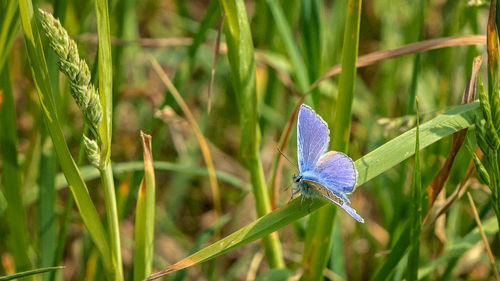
[[303, 187], [331, 175]]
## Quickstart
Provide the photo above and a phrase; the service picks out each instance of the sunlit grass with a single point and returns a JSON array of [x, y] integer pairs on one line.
[[218, 183]]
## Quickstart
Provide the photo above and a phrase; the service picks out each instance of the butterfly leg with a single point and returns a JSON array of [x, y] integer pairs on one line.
[[294, 191], [302, 200]]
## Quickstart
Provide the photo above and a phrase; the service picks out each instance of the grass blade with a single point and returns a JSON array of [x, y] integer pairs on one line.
[[78, 188], [242, 64], [105, 76], [216, 58], [415, 209], [369, 166], [145, 216], [422, 46], [105, 132], [8, 28], [11, 175], [199, 135], [29, 273], [285, 32], [90, 172], [483, 236], [310, 23], [320, 228]]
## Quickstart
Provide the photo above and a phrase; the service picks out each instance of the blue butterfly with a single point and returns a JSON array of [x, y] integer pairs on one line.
[[331, 175]]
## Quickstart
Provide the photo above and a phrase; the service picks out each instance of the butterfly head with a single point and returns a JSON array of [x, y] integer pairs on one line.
[[297, 178]]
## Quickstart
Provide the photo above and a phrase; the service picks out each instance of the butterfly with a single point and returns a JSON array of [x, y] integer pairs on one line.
[[331, 175]]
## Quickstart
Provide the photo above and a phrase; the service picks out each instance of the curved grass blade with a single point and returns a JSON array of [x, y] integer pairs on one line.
[[199, 135], [422, 46], [90, 172], [274, 178], [41, 78], [30, 272], [369, 166]]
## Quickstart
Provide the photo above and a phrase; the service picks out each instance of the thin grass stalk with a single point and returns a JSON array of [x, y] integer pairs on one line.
[[145, 216], [197, 131], [483, 236], [23, 275], [242, 64], [318, 237], [105, 130], [415, 210], [18, 237]]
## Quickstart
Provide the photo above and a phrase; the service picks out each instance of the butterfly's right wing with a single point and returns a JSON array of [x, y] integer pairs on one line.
[[339, 199], [313, 137]]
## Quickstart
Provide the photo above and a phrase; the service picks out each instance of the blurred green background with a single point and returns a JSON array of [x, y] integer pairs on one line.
[[181, 36]]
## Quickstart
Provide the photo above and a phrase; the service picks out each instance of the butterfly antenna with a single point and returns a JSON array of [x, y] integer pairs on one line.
[[291, 163]]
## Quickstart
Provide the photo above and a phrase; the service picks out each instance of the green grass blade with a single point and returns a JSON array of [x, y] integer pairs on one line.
[[369, 166], [47, 205], [415, 210], [8, 28], [319, 234], [40, 75], [145, 216], [105, 76], [285, 32], [105, 131], [11, 175], [310, 23], [29, 273], [242, 63], [90, 172], [451, 121]]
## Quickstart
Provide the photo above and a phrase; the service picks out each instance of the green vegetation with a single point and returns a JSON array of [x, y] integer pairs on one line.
[[215, 87]]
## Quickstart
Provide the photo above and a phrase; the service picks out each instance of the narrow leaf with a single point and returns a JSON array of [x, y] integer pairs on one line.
[[29, 273], [145, 216]]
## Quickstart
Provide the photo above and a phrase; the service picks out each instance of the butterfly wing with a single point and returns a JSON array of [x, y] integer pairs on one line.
[[313, 137], [339, 200], [335, 171]]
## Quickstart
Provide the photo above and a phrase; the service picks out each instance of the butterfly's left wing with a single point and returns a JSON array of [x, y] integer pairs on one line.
[[339, 199]]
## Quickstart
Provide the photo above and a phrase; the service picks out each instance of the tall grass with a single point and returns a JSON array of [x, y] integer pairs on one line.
[[83, 191]]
